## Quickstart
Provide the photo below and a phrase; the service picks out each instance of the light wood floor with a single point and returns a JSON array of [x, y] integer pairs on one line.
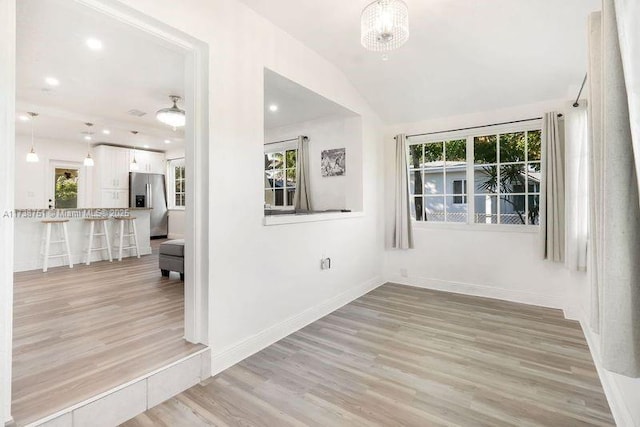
[[411, 357], [82, 331]]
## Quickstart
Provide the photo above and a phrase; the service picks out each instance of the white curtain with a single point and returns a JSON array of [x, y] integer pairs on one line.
[[596, 165], [619, 239], [553, 221], [576, 202], [628, 25], [402, 231], [302, 195]]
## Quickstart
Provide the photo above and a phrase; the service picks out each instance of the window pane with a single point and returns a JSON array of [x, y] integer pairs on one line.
[[177, 185], [290, 193], [417, 208], [512, 210], [433, 154], [534, 210], [485, 149], [512, 178], [486, 179], [434, 181], [279, 197], [268, 179], [533, 177], [512, 146], [274, 161], [415, 155], [178, 200], [291, 158], [269, 197], [415, 182], [291, 177], [434, 208], [534, 144], [278, 178], [460, 189], [456, 151], [486, 209], [456, 212]]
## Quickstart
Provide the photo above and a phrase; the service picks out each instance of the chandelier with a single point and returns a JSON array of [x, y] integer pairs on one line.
[[384, 25], [173, 116]]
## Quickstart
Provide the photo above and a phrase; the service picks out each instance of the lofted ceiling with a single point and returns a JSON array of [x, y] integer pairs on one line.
[[463, 56], [133, 71], [296, 104]]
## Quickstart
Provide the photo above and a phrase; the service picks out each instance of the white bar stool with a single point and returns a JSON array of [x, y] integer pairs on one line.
[[131, 231], [93, 232], [63, 237]]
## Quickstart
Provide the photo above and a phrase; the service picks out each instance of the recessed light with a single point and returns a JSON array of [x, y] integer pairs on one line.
[[94, 44], [166, 141], [23, 118], [106, 131], [145, 146], [273, 108], [52, 81], [87, 137]]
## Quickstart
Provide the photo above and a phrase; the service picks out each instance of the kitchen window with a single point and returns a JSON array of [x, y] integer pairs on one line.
[[177, 181], [490, 178]]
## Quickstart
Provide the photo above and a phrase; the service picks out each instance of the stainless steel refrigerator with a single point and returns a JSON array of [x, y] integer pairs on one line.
[[148, 190]]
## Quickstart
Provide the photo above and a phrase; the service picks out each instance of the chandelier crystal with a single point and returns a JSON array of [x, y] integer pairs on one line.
[[384, 25], [173, 116]]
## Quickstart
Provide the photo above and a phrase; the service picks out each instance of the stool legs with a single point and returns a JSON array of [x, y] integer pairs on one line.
[[121, 240], [135, 237], [91, 227], [132, 231], [66, 243], [47, 243], [107, 239]]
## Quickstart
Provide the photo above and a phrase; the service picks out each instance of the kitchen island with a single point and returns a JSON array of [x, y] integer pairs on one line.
[[29, 232]]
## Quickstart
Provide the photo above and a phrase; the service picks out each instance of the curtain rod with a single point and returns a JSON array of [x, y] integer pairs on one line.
[[577, 103], [477, 127], [286, 140]]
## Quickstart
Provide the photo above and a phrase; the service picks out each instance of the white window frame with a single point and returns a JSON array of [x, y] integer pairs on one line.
[[171, 178], [463, 194], [281, 148], [469, 135]]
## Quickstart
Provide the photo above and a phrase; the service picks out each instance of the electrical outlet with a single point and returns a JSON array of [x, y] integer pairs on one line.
[[325, 263]]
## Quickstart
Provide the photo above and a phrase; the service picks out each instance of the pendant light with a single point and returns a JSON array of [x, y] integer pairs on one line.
[[88, 161], [32, 156], [134, 164], [173, 116], [384, 25]]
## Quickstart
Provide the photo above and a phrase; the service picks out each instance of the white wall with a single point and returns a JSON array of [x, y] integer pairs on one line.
[[254, 297], [34, 183], [336, 192], [176, 223]]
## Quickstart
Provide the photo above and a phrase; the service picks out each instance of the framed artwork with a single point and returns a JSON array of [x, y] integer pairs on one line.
[[333, 162]]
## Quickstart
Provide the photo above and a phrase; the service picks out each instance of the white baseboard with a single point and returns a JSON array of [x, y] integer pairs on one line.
[[231, 355], [615, 396], [551, 301]]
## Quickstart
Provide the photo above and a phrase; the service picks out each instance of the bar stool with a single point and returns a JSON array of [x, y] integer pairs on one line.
[[63, 237], [131, 231], [93, 232]]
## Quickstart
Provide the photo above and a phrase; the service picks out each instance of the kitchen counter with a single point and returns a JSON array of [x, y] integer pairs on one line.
[[29, 232]]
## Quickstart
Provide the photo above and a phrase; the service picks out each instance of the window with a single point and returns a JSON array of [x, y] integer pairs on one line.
[[177, 178], [503, 171], [460, 187], [280, 178], [66, 188]]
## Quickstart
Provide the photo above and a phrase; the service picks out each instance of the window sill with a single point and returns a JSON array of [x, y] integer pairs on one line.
[[501, 228], [296, 219], [177, 208]]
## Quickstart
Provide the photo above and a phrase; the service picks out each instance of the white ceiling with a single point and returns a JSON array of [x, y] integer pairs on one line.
[[296, 104], [463, 56], [134, 70]]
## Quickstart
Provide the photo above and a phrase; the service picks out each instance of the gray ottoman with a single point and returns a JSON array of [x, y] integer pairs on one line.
[[172, 257]]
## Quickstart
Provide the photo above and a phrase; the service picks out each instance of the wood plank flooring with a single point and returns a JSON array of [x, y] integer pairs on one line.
[[82, 331], [411, 357]]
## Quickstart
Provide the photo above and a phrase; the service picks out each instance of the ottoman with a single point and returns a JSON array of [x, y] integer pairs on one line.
[[172, 257]]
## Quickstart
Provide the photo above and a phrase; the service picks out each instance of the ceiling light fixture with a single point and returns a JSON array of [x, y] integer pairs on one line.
[[145, 146], [134, 164], [52, 81], [23, 118], [32, 156], [273, 108], [106, 131], [166, 141], [94, 44], [173, 116], [384, 25], [88, 161]]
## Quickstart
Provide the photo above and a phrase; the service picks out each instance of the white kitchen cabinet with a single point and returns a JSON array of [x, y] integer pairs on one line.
[[114, 199], [150, 162], [112, 167]]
